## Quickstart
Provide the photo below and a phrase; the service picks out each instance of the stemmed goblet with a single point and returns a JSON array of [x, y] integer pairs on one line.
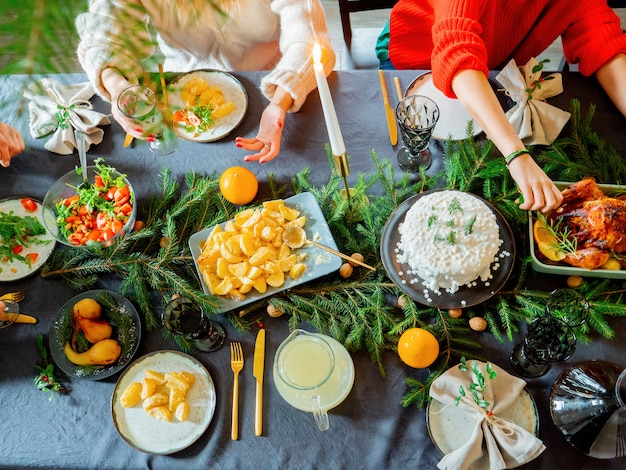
[[183, 317], [139, 104], [416, 116], [550, 339]]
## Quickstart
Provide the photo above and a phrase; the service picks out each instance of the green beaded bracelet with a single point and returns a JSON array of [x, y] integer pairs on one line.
[[509, 158]]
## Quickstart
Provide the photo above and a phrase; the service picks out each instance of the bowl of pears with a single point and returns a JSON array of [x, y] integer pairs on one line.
[[95, 334]]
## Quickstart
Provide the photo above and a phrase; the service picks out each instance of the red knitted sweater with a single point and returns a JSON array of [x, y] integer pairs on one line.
[[448, 36]]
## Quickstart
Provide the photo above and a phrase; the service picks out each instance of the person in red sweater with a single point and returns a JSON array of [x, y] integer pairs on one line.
[[461, 40]]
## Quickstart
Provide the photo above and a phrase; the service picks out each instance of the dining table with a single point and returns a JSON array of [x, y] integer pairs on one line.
[[370, 429]]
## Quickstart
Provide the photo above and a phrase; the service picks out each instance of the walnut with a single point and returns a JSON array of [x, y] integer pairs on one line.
[[455, 312], [574, 281], [478, 324], [402, 301], [345, 270], [273, 311], [358, 257]]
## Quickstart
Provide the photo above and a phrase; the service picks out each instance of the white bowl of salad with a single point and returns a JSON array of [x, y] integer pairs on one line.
[[95, 215]]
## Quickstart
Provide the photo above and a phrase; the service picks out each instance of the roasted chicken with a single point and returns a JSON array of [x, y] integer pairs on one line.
[[596, 221]]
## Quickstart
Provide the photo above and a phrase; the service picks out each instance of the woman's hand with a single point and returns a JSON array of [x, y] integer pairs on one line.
[[11, 144], [266, 144], [116, 83], [538, 191], [267, 141]]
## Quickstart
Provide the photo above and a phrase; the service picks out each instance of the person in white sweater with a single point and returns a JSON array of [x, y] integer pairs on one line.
[[11, 144], [117, 36]]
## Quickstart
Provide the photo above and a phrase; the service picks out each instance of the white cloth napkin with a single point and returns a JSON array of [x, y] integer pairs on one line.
[[536, 122], [59, 109], [495, 443]]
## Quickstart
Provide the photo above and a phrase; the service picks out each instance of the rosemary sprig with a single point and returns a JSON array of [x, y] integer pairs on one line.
[[564, 242], [478, 386], [46, 380]]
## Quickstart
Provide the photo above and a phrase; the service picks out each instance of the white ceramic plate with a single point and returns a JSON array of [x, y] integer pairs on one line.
[[233, 91], [155, 436], [13, 270], [450, 427], [318, 262], [453, 118]]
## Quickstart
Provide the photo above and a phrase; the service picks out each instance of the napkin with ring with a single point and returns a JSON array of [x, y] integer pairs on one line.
[[535, 121], [59, 109], [495, 443]]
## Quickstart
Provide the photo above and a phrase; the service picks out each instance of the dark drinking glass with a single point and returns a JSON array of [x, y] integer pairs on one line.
[[183, 317], [588, 406]]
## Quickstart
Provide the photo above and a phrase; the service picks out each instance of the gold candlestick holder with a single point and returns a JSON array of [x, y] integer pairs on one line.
[[343, 168]]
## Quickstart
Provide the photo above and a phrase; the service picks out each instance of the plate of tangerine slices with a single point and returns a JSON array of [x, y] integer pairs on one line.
[[163, 402], [246, 258]]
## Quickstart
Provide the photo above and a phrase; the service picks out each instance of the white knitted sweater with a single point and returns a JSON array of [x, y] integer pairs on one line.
[[275, 35]]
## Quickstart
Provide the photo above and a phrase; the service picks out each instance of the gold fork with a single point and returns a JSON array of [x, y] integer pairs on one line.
[[14, 296], [236, 364]]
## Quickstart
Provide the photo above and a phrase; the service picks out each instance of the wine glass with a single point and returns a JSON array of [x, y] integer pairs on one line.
[[551, 338], [183, 317], [139, 104], [416, 116]]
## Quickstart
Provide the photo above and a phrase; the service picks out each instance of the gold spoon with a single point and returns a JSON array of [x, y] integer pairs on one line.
[[295, 237]]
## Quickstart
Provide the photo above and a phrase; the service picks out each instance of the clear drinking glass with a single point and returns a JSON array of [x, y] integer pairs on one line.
[[139, 104], [416, 116], [183, 317]]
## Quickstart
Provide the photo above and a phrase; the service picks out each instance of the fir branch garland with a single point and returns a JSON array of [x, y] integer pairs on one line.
[[366, 312]]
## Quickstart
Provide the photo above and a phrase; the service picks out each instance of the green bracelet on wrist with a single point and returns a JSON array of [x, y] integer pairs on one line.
[[512, 156]]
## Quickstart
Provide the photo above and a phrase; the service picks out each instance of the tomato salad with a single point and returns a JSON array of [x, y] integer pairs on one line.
[[97, 213]]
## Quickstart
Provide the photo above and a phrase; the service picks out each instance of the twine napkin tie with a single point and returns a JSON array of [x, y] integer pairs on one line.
[[535, 121], [59, 109], [495, 442]]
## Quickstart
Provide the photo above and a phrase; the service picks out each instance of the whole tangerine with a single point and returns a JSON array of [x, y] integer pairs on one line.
[[418, 348], [238, 185]]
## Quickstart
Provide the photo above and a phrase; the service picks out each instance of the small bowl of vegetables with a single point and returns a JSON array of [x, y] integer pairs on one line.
[[90, 215]]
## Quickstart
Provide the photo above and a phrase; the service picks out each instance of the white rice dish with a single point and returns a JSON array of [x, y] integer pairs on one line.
[[449, 239]]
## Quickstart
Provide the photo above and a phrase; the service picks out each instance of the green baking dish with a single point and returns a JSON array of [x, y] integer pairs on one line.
[[562, 268]]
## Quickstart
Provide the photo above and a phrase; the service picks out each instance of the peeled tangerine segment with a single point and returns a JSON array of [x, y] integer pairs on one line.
[[160, 412], [131, 395], [182, 411], [154, 375], [158, 399], [148, 387], [177, 396]]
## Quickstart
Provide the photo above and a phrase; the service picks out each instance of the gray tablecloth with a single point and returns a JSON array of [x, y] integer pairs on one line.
[[369, 430]]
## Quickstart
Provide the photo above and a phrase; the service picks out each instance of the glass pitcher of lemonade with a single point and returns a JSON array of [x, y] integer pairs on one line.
[[314, 373]]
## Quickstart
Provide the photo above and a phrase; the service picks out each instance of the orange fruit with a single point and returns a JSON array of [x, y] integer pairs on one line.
[[546, 242], [418, 348], [238, 185]]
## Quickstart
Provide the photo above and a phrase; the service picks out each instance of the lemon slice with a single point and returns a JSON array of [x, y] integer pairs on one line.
[[547, 242]]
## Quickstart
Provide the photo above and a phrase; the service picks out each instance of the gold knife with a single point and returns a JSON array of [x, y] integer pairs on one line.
[[389, 114], [259, 364], [128, 140], [19, 318]]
